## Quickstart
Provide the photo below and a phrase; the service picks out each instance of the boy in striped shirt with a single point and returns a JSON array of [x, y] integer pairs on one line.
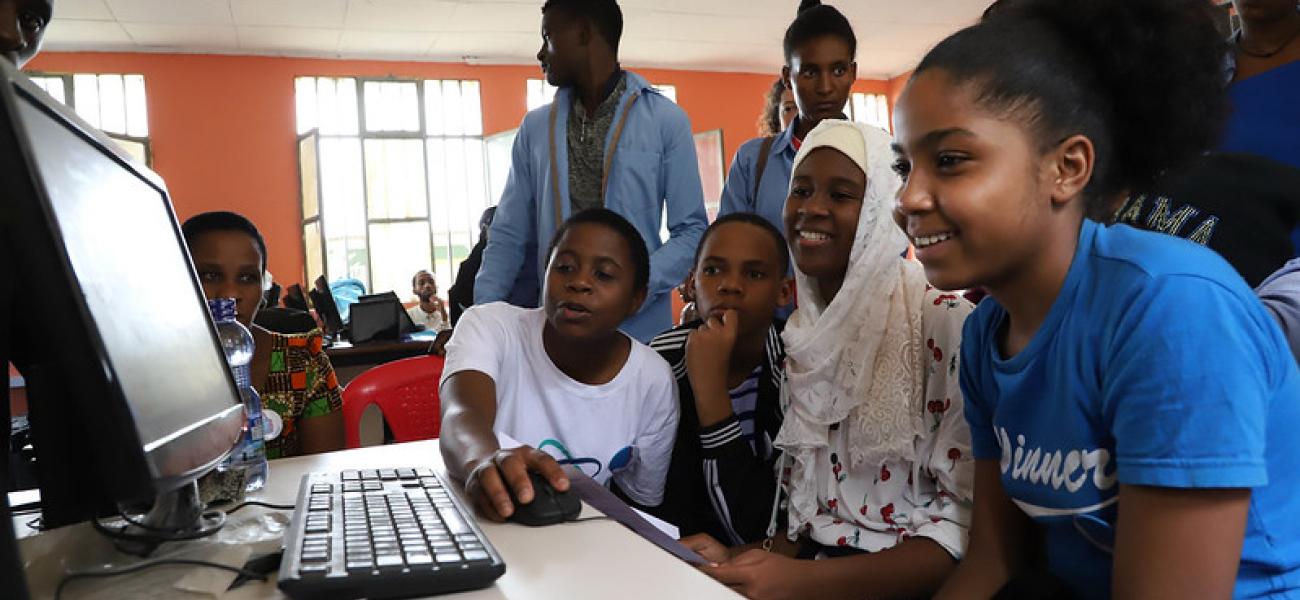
[[728, 367]]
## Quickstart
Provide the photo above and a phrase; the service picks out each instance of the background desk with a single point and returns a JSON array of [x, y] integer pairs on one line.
[[592, 559], [349, 360]]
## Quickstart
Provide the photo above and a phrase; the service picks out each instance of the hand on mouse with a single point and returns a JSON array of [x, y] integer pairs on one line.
[[490, 481]]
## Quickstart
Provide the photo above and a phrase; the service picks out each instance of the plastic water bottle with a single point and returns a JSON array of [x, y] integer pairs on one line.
[[249, 454]]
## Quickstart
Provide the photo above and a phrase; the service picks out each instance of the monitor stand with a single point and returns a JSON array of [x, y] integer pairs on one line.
[[176, 515]]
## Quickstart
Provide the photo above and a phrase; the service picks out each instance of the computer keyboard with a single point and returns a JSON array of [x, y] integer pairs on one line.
[[383, 533]]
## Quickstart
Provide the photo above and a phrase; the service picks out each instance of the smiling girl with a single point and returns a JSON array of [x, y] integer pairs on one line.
[[1129, 398]]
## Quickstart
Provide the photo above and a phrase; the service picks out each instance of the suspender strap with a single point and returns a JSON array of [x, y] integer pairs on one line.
[[763, 150], [555, 171], [613, 146]]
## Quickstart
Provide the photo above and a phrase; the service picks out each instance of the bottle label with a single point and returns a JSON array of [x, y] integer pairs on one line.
[[272, 424]]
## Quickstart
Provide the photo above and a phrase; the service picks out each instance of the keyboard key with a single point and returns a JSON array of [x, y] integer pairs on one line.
[[314, 556], [315, 569], [455, 523], [350, 475], [390, 561], [369, 474], [352, 486], [406, 473], [448, 558], [419, 558], [477, 555], [424, 472], [321, 488], [318, 527], [465, 538], [387, 474], [361, 565], [373, 486]]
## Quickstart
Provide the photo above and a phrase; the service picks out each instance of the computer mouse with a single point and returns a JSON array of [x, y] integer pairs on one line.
[[548, 506]]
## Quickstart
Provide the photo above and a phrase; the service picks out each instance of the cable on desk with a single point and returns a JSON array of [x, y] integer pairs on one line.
[[595, 518], [158, 537], [262, 504], [70, 577]]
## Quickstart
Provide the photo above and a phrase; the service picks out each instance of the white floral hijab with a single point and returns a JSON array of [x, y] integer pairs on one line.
[[858, 360]]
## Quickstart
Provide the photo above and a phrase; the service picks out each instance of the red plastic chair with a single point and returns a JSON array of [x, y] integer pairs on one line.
[[406, 392]]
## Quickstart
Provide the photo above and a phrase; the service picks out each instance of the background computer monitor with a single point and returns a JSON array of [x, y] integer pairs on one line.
[[323, 299], [128, 388]]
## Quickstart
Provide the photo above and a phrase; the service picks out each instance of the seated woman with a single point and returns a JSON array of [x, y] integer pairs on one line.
[[301, 399], [874, 438]]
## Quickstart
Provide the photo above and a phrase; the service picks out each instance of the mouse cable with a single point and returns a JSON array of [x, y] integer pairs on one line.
[[70, 577], [262, 504], [595, 518]]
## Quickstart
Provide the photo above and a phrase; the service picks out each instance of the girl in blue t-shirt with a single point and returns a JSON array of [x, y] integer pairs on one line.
[[1130, 402]]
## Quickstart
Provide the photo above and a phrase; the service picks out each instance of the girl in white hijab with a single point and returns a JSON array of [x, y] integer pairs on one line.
[[876, 446]]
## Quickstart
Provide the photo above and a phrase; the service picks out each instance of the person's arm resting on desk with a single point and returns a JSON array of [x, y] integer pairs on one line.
[[513, 228], [468, 444]]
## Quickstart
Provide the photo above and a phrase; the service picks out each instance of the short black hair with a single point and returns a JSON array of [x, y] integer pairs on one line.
[[223, 220], [416, 277], [616, 223], [1142, 79], [815, 20], [604, 15], [749, 218]]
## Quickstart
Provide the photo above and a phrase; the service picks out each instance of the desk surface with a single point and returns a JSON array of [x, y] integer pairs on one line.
[[591, 559]]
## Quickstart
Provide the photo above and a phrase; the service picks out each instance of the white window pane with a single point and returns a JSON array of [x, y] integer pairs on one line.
[[409, 101], [347, 107], [458, 248], [312, 243], [52, 86], [433, 108], [442, 270], [305, 95], [85, 92], [668, 91], [328, 108], [309, 179], [399, 250], [473, 110], [343, 208], [438, 196], [452, 117], [476, 181], [375, 109], [391, 106], [137, 112], [395, 182], [540, 93], [882, 112], [112, 104], [135, 149], [457, 190]]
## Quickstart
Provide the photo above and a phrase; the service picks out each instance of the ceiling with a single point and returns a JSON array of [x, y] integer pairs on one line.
[[724, 35]]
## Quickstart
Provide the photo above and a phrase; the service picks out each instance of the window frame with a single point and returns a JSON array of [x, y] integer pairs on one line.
[[70, 101]]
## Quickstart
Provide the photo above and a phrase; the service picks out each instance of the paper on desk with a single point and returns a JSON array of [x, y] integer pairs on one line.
[[605, 501], [668, 528]]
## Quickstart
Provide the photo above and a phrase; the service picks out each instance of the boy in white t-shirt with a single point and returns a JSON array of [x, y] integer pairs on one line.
[[562, 379]]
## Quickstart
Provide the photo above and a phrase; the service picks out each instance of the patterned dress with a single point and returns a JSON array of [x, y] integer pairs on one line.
[[300, 384], [875, 507]]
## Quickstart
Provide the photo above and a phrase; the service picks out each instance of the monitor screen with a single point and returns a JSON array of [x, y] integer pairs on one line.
[[118, 272]]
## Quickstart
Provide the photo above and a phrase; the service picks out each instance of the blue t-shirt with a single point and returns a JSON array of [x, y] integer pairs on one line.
[[1156, 366]]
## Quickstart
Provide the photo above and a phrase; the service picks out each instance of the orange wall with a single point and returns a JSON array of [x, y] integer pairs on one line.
[[222, 128]]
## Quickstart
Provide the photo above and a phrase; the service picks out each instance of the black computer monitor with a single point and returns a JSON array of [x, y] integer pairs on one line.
[[129, 393], [323, 299], [378, 317]]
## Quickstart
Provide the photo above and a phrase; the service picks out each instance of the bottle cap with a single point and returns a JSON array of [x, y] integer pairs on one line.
[[222, 309]]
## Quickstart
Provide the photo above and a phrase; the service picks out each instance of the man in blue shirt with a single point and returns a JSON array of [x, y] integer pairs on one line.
[[608, 139]]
